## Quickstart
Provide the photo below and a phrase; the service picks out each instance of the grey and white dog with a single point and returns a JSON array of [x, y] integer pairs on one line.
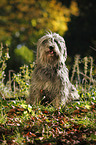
[[50, 82]]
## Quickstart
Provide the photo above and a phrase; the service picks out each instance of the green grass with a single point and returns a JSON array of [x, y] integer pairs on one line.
[[24, 124]]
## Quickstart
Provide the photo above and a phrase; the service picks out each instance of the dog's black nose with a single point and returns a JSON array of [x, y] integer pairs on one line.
[[51, 47]]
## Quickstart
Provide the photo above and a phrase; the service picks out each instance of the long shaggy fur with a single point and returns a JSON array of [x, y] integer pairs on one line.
[[50, 82]]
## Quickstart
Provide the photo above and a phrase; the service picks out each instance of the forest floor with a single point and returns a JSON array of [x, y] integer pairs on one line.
[[38, 125]]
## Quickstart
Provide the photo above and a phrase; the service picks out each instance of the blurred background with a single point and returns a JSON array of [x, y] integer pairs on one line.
[[23, 22]]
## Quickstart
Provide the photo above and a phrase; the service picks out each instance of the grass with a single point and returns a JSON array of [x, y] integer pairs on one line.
[[24, 124]]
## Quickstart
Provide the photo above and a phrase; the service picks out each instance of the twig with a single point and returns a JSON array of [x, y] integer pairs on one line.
[[87, 77], [92, 48]]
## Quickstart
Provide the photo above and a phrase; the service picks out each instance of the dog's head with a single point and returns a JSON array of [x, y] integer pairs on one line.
[[51, 49]]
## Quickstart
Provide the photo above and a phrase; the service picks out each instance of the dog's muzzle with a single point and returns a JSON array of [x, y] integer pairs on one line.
[[52, 52]]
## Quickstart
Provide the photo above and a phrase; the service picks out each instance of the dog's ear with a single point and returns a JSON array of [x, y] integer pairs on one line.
[[65, 51], [65, 55]]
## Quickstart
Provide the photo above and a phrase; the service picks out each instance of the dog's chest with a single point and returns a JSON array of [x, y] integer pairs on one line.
[[48, 78], [51, 85]]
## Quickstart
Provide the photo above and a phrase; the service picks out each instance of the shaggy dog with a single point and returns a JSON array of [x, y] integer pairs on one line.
[[50, 82]]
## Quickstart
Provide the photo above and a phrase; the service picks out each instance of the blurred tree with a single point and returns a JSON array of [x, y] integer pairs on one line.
[[24, 21], [33, 17], [20, 52]]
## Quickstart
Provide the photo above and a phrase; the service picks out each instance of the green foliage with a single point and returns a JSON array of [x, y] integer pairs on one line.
[[4, 90], [3, 59], [39, 124], [22, 79], [18, 85], [24, 54], [25, 19]]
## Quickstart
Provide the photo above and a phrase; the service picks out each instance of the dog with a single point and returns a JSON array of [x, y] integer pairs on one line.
[[50, 82]]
